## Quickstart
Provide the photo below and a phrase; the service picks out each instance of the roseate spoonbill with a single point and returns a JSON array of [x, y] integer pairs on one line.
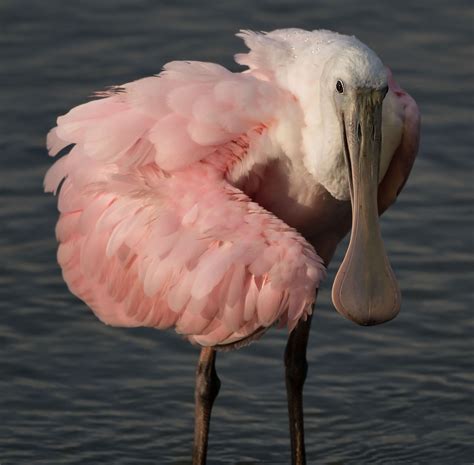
[[211, 201]]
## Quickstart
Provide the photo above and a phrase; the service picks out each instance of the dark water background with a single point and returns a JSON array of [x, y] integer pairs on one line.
[[73, 391]]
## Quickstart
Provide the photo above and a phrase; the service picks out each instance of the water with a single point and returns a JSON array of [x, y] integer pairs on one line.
[[73, 391]]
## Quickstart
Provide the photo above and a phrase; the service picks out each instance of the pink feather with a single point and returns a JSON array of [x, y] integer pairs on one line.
[[151, 233]]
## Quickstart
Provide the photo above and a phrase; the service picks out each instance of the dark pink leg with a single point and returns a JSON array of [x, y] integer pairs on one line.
[[296, 369], [207, 388]]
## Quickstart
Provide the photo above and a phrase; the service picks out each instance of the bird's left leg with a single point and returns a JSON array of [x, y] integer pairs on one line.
[[296, 369], [207, 388]]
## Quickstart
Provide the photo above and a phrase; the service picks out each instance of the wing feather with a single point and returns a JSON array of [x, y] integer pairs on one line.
[[151, 233]]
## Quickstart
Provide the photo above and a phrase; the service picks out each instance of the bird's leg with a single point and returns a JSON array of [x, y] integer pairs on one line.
[[296, 369], [207, 388]]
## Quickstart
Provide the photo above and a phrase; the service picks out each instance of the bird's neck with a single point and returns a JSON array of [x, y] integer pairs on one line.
[[279, 181]]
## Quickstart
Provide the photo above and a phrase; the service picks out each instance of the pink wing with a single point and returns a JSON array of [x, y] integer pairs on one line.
[[152, 234]]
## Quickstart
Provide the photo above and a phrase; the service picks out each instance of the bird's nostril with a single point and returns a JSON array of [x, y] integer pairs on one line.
[[359, 132]]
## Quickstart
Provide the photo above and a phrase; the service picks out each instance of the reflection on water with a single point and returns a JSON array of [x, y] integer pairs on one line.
[[74, 391]]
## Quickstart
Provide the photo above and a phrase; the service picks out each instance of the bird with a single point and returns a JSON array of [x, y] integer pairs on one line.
[[212, 201]]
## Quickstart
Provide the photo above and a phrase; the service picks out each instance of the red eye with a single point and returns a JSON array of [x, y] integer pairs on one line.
[[340, 87]]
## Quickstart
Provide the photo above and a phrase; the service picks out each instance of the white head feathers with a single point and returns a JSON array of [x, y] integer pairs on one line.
[[308, 64]]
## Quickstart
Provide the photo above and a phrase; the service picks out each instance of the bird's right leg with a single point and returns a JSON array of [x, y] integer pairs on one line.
[[207, 388], [296, 368]]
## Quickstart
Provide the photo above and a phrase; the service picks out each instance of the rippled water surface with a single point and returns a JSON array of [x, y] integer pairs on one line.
[[73, 391]]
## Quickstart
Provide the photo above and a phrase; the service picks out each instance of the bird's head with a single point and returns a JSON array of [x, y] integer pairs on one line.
[[340, 85]]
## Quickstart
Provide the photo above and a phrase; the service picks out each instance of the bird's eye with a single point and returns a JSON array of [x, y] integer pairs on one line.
[[340, 87]]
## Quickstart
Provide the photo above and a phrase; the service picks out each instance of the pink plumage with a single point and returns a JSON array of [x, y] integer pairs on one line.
[[151, 231], [182, 196]]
